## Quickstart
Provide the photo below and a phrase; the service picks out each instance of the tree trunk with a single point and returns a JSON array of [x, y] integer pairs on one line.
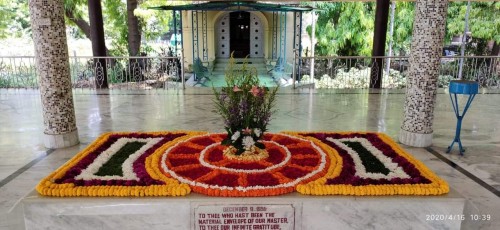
[[98, 44], [379, 38], [134, 29], [81, 24], [495, 64], [496, 49]]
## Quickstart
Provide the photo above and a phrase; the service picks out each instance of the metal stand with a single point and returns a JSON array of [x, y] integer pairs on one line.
[[461, 87]]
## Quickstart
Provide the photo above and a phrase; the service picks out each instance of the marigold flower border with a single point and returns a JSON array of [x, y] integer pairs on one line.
[[172, 187], [437, 186]]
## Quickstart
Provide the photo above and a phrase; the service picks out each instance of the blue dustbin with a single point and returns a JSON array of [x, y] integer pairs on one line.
[[470, 88]]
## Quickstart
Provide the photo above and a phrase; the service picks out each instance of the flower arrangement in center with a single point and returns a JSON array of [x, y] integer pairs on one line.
[[246, 108]]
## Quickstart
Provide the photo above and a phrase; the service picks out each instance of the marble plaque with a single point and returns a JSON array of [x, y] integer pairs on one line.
[[44, 22], [243, 216]]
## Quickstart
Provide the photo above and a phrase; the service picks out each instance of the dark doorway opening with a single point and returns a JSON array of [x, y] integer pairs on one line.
[[239, 33]]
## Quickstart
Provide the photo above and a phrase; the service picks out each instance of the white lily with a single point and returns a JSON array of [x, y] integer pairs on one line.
[[235, 136], [248, 142], [257, 132]]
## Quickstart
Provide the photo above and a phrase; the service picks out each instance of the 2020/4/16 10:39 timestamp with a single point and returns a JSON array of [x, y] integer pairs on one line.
[[460, 217], [478, 217]]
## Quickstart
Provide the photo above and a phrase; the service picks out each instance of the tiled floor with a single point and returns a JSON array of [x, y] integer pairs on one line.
[[24, 161]]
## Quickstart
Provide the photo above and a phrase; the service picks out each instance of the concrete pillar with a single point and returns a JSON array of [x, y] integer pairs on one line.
[[52, 65], [426, 49]]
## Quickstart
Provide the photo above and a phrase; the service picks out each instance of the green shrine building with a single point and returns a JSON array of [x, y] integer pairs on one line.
[[211, 31]]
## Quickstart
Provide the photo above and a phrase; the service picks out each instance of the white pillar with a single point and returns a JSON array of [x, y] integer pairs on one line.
[[52, 65], [426, 49]]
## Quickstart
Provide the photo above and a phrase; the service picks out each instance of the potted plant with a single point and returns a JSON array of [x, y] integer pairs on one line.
[[246, 108]]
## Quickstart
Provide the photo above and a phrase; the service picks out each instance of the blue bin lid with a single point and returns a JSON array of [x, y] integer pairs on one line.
[[464, 87]]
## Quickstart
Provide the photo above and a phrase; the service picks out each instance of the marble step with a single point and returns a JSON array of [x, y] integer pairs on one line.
[[239, 64], [253, 60], [291, 211], [223, 68]]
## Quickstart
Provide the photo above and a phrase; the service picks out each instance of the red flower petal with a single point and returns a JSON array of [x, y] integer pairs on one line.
[[292, 172], [305, 161], [286, 141], [247, 166], [181, 161], [302, 151], [194, 173], [215, 155], [229, 180], [184, 150], [262, 179], [275, 156], [205, 141]]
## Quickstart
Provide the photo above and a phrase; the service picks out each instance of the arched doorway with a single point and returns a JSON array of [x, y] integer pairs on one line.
[[239, 32]]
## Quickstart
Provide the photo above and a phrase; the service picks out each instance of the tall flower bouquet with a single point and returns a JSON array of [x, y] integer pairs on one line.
[[246, 108]]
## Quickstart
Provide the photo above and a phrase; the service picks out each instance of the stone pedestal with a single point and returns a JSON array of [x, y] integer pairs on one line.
[[52, 65], [55, 141], [415, 139], [426, 49], [301, 212]]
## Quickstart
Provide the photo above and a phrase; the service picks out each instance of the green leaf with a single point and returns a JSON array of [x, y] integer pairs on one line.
[[240, 151], [260, 145], [226, 141]]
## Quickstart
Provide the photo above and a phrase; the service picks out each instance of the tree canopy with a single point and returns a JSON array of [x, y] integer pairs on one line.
[[14, 18], [403, 28], [484, 20], [484, 26], [343, 28], [14, 21], [346, 29]]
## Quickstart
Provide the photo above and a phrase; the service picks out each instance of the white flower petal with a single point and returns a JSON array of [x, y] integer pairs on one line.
[[248, 142], [257, 132], [235, 136]]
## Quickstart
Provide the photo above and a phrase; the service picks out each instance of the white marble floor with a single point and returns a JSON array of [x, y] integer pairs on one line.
[[476, 175]]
